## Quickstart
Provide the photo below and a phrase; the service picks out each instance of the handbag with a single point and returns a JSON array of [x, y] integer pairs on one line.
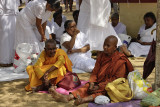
[[70, 81], [119, 90]]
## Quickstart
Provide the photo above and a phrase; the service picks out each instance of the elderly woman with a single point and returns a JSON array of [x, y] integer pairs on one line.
[[145, 37], [75, 43], [31, 22]]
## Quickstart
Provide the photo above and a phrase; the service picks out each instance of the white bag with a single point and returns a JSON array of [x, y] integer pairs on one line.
[[101, 99], [22, 57], [140, 87], [125, 38]]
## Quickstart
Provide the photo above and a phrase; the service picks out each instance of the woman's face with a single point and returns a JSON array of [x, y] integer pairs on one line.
[[149, 22], [71, 29]]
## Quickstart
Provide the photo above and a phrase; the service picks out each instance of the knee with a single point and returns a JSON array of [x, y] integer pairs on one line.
[[29, 68]]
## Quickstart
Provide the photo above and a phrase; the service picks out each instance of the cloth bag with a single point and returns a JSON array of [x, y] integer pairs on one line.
[[70, 81], [119, 90], [152, 99]]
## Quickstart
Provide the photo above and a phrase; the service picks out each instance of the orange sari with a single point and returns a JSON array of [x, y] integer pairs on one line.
[[107, 69]]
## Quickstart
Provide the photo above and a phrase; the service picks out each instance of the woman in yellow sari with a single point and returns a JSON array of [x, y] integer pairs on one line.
[[52, 64]]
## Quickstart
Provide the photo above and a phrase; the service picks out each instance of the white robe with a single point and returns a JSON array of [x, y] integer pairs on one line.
[[93, 21], [57, 30], [26, 30], [82, 61], [137, 49], [120, 28], [8, 12]]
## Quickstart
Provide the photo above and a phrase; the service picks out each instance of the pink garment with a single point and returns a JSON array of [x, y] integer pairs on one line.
[[66, 92]]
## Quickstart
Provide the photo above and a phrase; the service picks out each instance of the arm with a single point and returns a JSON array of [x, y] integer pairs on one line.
[[119, 73], [81, 50], [60, 62], [69, 44], [40, 29], [41, 69], [93, 77], [138, 37], [144, 43], [44, 26], [80, 1]]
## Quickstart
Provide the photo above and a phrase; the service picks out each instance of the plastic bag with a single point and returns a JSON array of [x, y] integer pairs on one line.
[[125, 39], [152, 100], [22, 57], [140, 87], [25, 54]]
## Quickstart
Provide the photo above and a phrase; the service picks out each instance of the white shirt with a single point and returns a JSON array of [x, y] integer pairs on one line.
[[36, 8], [57, 30], [80, 41], [120, 28], [145, 34]]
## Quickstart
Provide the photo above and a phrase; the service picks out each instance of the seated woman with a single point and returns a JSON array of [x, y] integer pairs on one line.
[[75, 43], [49, 69], [119, 27], [145, 37]]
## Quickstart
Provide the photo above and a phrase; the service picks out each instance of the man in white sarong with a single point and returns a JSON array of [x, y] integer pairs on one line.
[[76, 44], [8, 12], [93, 21]]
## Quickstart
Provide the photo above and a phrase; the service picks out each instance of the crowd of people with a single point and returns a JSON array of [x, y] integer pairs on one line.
[[69, 43]]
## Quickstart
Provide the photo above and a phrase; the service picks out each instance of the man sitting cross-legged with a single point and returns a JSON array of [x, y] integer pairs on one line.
[[49, 69], [109, 66]]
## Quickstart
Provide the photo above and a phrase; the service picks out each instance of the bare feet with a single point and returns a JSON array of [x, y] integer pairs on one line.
[[78, 101], [57, 96]]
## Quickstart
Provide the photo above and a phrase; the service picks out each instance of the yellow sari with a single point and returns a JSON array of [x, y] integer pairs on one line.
[[44, 63]]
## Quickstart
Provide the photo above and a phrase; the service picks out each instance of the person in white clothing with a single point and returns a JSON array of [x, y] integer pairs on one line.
[[60, 10], [76, 44], [93, 21], [31, 22], [8, 13], [145, 37], [119, 27], [57, 27]]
